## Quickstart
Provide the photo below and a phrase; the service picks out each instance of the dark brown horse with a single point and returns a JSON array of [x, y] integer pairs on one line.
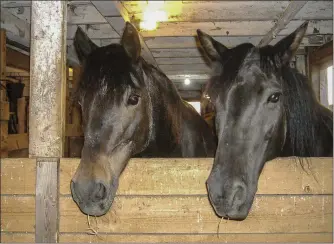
[[264, 109], [129, 109]]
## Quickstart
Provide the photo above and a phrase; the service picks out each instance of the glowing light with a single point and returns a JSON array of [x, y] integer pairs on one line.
[[151, 18], [157, 11], [187, 81]]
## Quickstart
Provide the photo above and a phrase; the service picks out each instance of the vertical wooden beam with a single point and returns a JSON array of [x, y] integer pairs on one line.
[[3, 53], [47, 193], [3, 98], [21, 114], [47, 79], [75, 142], [301, 64], [290, 12], [47, 109]]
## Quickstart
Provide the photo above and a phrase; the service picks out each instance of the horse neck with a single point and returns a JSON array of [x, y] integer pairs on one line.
[[166, 105]]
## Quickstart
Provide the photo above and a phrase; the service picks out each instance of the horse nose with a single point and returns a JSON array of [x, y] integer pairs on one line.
[[100, 192], [238, 194], [91, 191]]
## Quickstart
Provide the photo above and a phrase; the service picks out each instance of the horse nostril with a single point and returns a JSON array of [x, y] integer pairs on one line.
[[100, 192], [239, 194]]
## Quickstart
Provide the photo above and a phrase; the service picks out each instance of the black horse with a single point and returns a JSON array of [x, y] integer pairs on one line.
[[129, 109], [264, 109]]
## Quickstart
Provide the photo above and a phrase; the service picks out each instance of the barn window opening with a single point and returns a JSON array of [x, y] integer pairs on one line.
[[330, 85], [196, 105]]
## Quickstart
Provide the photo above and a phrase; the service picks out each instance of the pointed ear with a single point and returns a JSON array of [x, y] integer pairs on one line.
[[287, 47], [83, 45], [212, 48], [131, 42]]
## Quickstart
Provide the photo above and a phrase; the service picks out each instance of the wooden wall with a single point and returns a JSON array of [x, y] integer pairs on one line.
[[164, 200]]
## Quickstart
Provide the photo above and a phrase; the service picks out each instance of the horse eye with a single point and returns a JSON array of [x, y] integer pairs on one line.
[[274, 98], [133, 100]]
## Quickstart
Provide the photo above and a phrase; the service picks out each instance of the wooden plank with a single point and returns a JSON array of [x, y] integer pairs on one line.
[[322, 53], [194, 60], [74, 130], [185, 67], [288, 14], [17, 59], [9, 237], [11, 4], [21, 114], [84, 14], [95, 31], [198, 238], [18, 176], [15, 217], [194, 214], [188, 176], [314, 27], [3, 52], [226, 28], [3, 139], [315, 10], [75, 146], [17, 30], [47, 171], [176, 53], [213, 10], [191, 77], [4, 111], [48, 76], [301, 64], [229, 41], [18, 141]]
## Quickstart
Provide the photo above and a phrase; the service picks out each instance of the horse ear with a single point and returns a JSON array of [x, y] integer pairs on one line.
[[83, 44], [212, 48], [131, 42], [288, 46]]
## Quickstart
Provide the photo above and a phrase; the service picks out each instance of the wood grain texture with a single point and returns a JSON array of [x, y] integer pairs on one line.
[[194, 214], [188, 176], [18, 141], [4, 111], [18, 176], [187, 238], [289, 13], [47, 199], [15, 217], [47, 76], [13, 237]]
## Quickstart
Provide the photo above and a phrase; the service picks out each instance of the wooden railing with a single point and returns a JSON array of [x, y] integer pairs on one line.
[[165, 200]]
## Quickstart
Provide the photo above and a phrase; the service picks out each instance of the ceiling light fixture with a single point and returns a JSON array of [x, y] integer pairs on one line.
[[187, 81]]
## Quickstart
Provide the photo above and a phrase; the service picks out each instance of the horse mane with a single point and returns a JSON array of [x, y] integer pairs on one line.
[[304, 114], [167, 96]]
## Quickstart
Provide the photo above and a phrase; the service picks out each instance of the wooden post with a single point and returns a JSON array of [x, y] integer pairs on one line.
[[21, 114], [76, 142], [47, 79], [47, 109], [3, 98]]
